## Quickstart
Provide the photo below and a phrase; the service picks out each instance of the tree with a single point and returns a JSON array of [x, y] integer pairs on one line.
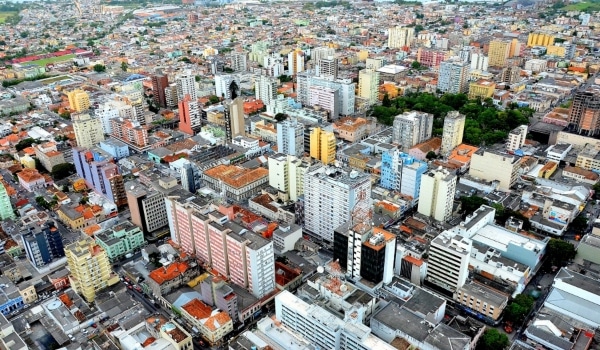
[[518, 308], [280, 117], [471, 203], [60, 171], [25, 143], [579, 224], [558, 252], [415, 65], [431, 155], [492, 339], [213, 99], [386, 102], [124, 66], [99, 68], [65, 115]]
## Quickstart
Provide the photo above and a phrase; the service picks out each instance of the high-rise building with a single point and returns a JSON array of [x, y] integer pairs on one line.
[[79, 100], [160, 82], [227, 86], [235, 124], [479, 62], [326, 98], [448, 263], [331, 195], [90, 268], [186, 85], [431, 57], [189, 115], [295, 61], [401, 172], [96, 167], [321, 52], [286, 174], [399, 37], [239, 61], [375, 63], [510, 74], [171, 95], [368, 83], [147, 204], [498, 53], [43, 244], [190, 177], [490, 165], [540, 39], [290, 137], [438, 188], [452, 135], [328, 67], [131, 133], [322, 145], [113, 109], [516, 138], [411, 128], [584, 115], [265, 89], [6, 210], [454, 76], [88, 131], [344, 88]]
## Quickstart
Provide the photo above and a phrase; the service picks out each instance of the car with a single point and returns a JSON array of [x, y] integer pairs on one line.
[[94, 325], [85, 331], [130, 287]]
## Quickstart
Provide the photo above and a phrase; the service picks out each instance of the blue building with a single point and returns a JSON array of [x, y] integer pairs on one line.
[[401, 172], [115, 148], [10, 298], [43, 244], [96, 167]]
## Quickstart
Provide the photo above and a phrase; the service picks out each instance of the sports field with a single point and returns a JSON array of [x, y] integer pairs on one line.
[[45, 61]]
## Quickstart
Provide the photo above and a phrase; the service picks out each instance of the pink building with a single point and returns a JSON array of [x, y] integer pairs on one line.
[[235, 253], [186, 237], [201, 245], [218, 248]]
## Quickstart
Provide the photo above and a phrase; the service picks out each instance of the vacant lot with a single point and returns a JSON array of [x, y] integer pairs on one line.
[[45, 61]]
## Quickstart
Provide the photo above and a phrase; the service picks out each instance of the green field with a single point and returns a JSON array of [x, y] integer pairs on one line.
[[45, 61], [585, 6], [3, 15]]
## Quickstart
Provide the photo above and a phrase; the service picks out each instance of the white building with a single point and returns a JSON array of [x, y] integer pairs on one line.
[[516, 138], [239, 61], [260, 265], [448, 264], [325, 98], [290, 137], [398, 37], [454, 126], [330, 196], [454, 76], [186, 85], [437, 194], [286, 174], [479, 62], [411, 128], [319, 53], [265, 89], [368, 83], [113, 109], [344, 88], [536, 65], [327, 67], [225, 84]]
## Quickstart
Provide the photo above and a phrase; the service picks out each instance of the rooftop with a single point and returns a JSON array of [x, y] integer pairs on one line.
[[168, 273], [236, 176]]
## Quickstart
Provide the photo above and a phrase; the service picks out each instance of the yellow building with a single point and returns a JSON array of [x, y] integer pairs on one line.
[[28, 162], [368, 82], [88, 130], [482, 89], [554, 50], [540, 39], [90, 268], [498, 53], [72, 218], [322, 145], [362, 55], [515, 48], [79, 100], [28, 293]]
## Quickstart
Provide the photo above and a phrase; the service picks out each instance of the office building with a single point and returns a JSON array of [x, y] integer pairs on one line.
[[331, 195], [400, 37], [438, 188], [290, 137], [147, 204], [90, 268], [482, 299], [344, 88], [265, 89], [584, 115], [160, 82], [454, 76], [411, 128], [490, 165], [43, 244], [401, 172], [236, 182], [325, 98], [6, 210], [189, 115], [498, 53], [286, 174], [239, 61], [516, 138], [327, 67], [234, 118], [321, 52], [79, 100], [295, 61], [322, 145], [448, 263], [479, 62], [368, 84], [100, 173], [452, 134], [88, 131], [481, 89], [186, 85]]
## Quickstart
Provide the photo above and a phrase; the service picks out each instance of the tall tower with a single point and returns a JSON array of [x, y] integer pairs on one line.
[[234, 118], [438, 188], [189, 115], [88, 131], [322, 145], [411, 128], [160, 82], [290, 137], [239, 61], [79, 100], [186, 85], [399, 37], [368, 81], [295, 62], [328, 67], [454, 125], [454, 76], [498, 53], [265, 89], [584, 115]]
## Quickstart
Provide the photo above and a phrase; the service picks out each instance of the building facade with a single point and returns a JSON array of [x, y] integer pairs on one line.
[[438, 188], [290, 137], [452, 135], [411, 128], [322, 145], [88, 131], [43, 244]]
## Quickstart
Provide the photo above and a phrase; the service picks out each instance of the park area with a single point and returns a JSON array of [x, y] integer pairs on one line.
[[5, 14]]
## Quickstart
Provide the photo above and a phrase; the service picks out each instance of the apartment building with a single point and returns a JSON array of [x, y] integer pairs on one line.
[[482, 299], [186, 85], [43, 244], [438, 188], [88, 131], [411, 128], [490, 165], [431, 58], [130, 132], [448, 264], [100, 173], [498, 53], [401, 172], [160, 82], [481, 89], [368, 83], [516, 138], [331, 195], [327, 67], [290, 137], [344, 89], [234, 118], [584, 114], [6, 209], [120, 239], [286, 174], [322, 145], [147, 204], [400, 37], [265, 89], [79, 100], [90, 268], [239, 61], [295, 61], [326, 98], [189, 115], [453, 76], [452, 134], [212, 324], [113, 109]]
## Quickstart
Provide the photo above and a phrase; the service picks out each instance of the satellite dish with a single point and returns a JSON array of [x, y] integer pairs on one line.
[[320, 269]]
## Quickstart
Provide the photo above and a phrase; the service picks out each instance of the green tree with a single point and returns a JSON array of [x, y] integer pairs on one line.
[[579, 224], [559, 252], [99, 68], [431, 155], [65, 115], [60, 171], [415, 65], [124, 66], [25, 143], [518, 308], [213, 99], [285, 78], [386, 102], [280, 117], [492, 339], [469, 204]]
